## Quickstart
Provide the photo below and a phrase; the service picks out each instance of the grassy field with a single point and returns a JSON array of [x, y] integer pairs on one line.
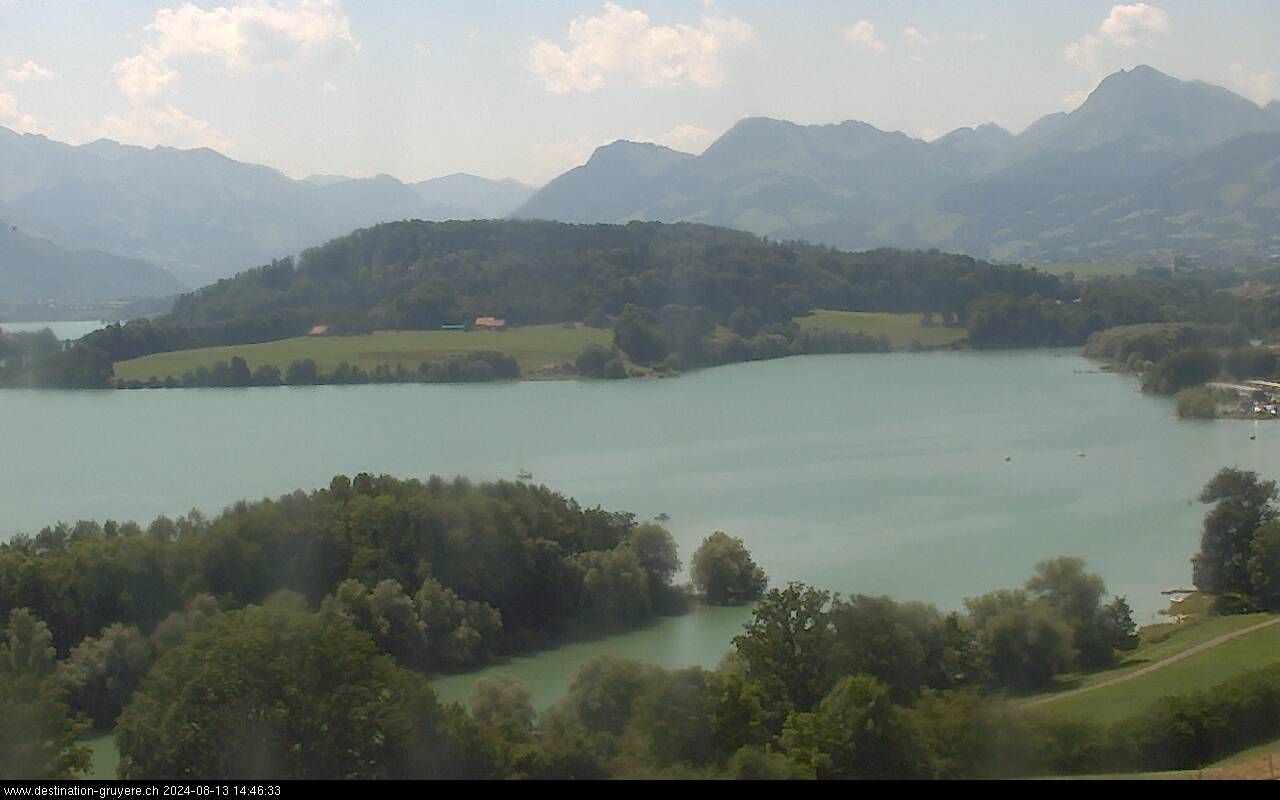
[[1200, 671], [104, 760], [1256, 763], [534, 346], [902, 329], [1158, 643]]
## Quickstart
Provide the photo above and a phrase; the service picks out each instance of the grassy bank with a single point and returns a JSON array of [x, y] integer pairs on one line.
[[538, 349], [1199, 671], [902, 329]]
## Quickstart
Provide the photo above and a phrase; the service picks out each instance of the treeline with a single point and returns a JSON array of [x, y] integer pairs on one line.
[[1172, 357], [679, 338], [482, 365], [341, 709], [1143, 305]]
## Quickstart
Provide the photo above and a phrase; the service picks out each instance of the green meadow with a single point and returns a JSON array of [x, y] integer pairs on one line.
[[539, 349], [1200, 671], [902, 329]]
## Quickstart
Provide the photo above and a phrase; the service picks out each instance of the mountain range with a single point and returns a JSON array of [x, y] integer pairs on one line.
[[1147, 167], [204, 216]]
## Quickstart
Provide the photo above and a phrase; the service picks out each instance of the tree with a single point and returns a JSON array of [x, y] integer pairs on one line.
[[735, 712], [603, 692], [1181, 369], [1097, 630], [671, 718], [271, 693], [872, 638], [504, 702], [1264, 565], [388, 615], [1244, 503], [37, 732], [724, 572], [615, 589], [656, 551], [855, 732], [102, 672], [636, 333], [1026, 646], [592, 361], [460, 632], [302, 373], [787, 647]]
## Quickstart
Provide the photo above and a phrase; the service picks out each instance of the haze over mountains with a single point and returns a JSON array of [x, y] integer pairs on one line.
[[202, 215], [1147, 167], [37, 270]]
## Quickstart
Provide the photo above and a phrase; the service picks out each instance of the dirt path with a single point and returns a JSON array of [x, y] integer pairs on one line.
[[1138, 673]]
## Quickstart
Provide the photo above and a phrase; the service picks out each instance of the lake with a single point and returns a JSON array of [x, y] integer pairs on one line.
[[861, 473], [67, 329]]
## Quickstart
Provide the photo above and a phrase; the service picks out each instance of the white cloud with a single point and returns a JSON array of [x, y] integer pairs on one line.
[[1259, 87], [243, 36], [1125, 26], [143, 76], [623, 47], [918, 38], [29, 71], [1083, 53], [915, 37], [160, 125], [11, 117], [1074, 100], [686, 138], [862, 34]]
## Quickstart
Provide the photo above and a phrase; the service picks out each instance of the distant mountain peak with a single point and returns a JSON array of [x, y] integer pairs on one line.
[[640, 158], [1146, 108], [629, 146], [987, 136]]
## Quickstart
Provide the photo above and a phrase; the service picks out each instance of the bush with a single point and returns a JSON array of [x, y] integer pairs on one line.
[[724, 572]]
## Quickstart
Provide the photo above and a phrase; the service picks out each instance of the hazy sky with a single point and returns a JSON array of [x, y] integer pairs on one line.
[[528, 89]]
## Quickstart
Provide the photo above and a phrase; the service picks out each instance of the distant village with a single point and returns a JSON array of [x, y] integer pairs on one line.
[[1256, 399]]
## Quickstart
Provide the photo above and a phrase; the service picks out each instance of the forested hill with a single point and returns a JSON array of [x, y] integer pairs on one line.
[[676, 296], [419, 275]]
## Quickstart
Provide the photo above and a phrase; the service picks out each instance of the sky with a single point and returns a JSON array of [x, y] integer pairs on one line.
[[528, 89]]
